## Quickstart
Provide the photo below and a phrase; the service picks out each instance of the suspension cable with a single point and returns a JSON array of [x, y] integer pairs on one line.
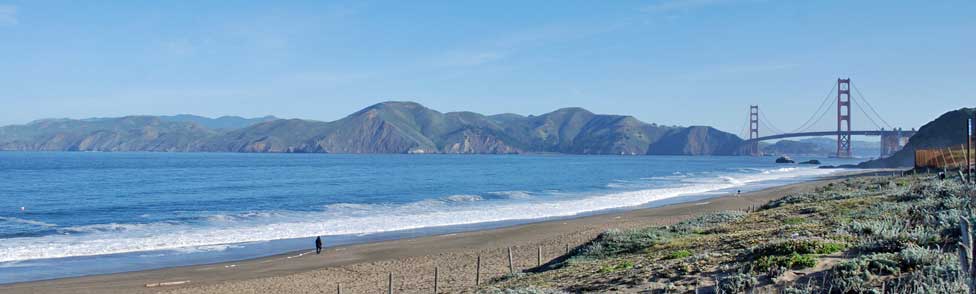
[[819, 108], [744, 131], [822, 115], [769, 124], [870, 106], [865, 114]]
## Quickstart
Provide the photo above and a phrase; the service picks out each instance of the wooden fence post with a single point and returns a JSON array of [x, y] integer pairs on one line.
[[511, 265], [477, 272], [389, 285], [435, 280], [538, 258], [339, 288]]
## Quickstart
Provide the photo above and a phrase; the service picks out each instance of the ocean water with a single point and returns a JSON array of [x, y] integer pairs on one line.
[[71, 214]]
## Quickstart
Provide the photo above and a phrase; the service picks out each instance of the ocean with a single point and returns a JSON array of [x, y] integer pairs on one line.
[[65, 214]]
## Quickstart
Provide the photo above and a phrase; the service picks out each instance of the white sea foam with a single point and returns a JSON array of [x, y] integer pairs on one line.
[[463, 198], [357, 219], [26, 222], [511, 194]]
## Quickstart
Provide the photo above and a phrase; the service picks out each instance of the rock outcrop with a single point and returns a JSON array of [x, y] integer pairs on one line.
[[785, 159], [946, 130]]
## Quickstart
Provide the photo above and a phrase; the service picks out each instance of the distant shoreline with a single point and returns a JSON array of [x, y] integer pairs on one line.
[[372, 261], [446, 154]]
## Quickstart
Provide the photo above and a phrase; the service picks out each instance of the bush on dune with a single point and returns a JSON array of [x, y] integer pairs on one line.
[[617, 242], [737, 283], [798, 246], [699, 223]]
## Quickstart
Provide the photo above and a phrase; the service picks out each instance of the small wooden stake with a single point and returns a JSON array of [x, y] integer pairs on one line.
[[435, 280], [339, 288], [538, 258], [477, 272], [567, 248], [389, 285]]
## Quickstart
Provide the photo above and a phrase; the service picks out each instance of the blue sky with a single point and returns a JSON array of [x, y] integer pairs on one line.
[[683, 62]]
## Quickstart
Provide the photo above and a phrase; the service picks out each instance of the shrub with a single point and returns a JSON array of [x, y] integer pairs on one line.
[[679, 254], [697, 224], [830, 247], [794, 221], [616, 242], [811, 210], [914, 257], [624, 265], [854, 276], [792, 261], [737, 283], [798, 246], [931, 279], [882, 245], [885, 227]]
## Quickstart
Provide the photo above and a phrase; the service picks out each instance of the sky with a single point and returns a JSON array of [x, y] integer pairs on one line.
[[672, 62]]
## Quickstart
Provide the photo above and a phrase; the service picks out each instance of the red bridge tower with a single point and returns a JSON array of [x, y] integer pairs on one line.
[[754, 129], [844, 118]]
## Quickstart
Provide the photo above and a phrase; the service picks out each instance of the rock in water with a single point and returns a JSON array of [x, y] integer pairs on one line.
[[784, 159], [812, 161]]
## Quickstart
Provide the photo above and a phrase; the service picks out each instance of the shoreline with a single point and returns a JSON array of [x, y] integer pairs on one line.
[[364, 267]]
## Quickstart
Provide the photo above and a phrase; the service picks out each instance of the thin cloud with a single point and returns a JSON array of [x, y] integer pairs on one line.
[[8, 15]]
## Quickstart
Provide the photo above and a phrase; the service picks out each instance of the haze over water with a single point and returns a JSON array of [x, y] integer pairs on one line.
[[88, 213]]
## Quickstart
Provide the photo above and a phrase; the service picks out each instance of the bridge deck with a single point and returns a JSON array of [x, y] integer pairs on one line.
[[829, 133]]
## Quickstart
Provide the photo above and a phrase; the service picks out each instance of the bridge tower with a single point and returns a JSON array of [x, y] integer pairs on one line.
[[754, 129], [890, 142], [844, 118]]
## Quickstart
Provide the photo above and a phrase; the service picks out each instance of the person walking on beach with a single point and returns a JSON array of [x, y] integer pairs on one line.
[[318, 245]]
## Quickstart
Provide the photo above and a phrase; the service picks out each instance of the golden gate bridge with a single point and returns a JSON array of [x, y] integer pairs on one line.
[[892, 139]]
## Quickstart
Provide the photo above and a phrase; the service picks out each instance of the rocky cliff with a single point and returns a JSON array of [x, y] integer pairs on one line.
[[949, 129]]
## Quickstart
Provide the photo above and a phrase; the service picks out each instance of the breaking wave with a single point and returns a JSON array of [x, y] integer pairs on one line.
[[216, 231]]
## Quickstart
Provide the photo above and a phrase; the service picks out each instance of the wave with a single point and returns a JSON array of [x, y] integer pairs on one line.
[[358, 219], [510, 195], [27, 222], [463, 198]]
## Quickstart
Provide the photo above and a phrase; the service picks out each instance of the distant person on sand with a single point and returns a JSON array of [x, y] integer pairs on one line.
[[738, 192], [318, 245]]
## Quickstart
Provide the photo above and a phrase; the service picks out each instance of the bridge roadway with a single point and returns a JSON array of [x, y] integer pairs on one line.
[[831, 133]]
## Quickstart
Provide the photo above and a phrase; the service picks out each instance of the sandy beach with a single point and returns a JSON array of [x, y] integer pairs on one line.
[[365, 268]]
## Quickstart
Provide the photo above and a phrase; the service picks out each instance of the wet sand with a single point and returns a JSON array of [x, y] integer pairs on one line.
[[365, 268]]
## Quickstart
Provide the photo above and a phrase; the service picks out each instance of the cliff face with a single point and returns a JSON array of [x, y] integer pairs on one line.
[[131, 133], [283, 135], [696, 140], [949, 129], [389, 127]]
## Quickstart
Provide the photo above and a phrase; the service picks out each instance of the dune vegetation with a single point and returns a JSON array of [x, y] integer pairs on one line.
[[860, 235]]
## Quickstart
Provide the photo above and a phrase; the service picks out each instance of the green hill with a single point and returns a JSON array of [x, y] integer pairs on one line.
[[388, 127]]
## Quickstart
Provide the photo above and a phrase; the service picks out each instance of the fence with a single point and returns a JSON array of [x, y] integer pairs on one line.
[[469, 271], [953, 157]]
